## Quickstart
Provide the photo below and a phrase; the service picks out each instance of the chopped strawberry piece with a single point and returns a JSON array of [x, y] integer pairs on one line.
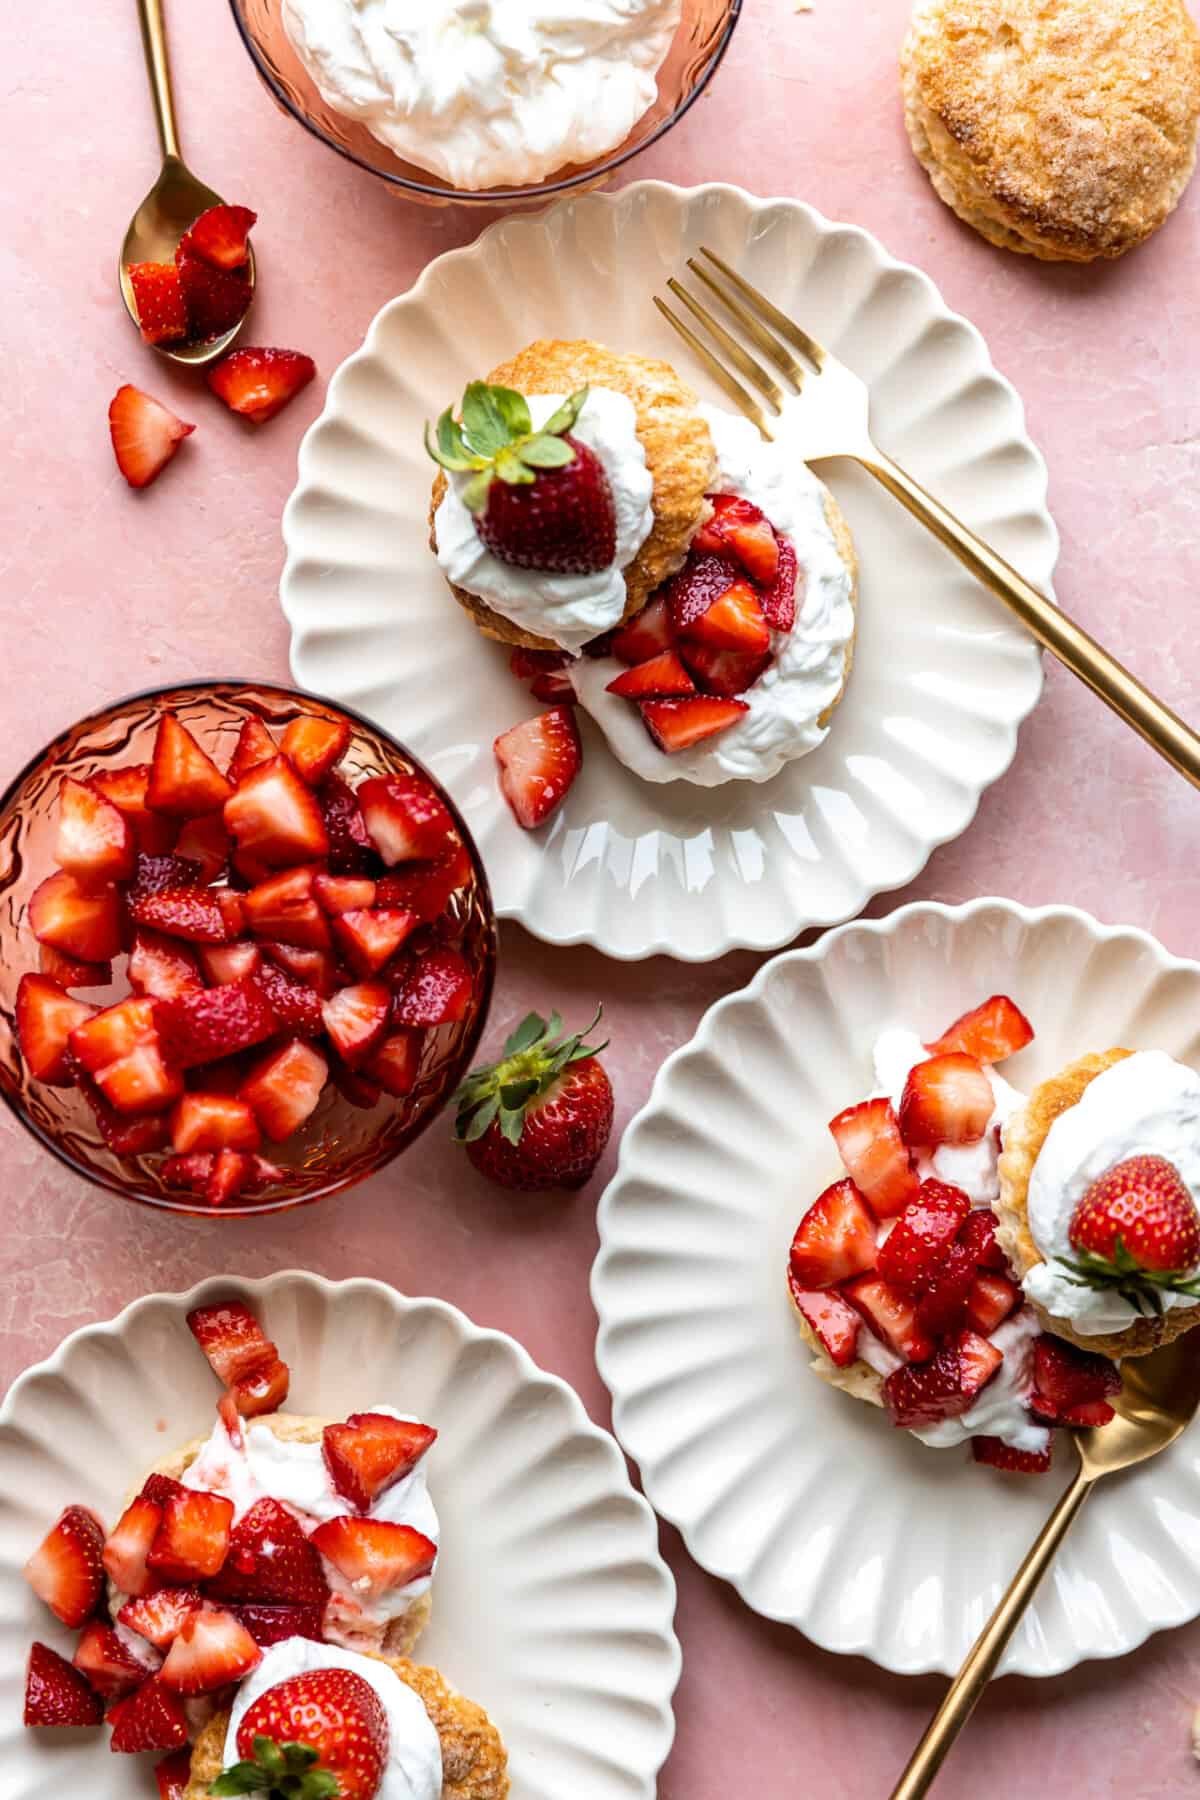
[[192, 1540], [527, 665], [174, 1775], [205, 842], [315, 745], [285, 1088], [120, 1048], [338, 894], [891, 1315], [678, 724], [229, 1174], [658, 679], [427, 888], [184, 779], [216, 299], [158, 301], [554, 689], [140, 1082], [645, 636], [221, 236], [223, 963], [151, 1719], [405, 819], [354, 1085], [356, 1019], [437, 990], [943, 1306], [66, 1571], [160, 1488], [314, 968], [271, 1560], [944, 1388], [538, 761], [371, 1452], [999, 1455], [56, 1695], [978, 1235], [108, 1664], [374, 1556], [947, 1100], [1065, 1379], [259, 382], [836, 1324], [46, 1018], [285, 909], [81, 924], [979, 1359], [991, 1299], [779, 600], [232, 1340], [876, 1157], [262, 1390], [215, 1022], [725, 673], [145, 435], [273, 815], [163, 874], [990, 1032], [124, 1136], [161, 968], [159, 1617], [295, 1004], [351, 851], [107, 1036], [191, 913], [94, 841], [396, 1064], [213, 1649], [255, 745], [272, 1624], [126, 788], [739, 528], [699, 584], [213, 1121], [67, 972], [918, 1243], [734, 622], [128, 1548], [1088, 1412], [835, 1239], [369, 939]]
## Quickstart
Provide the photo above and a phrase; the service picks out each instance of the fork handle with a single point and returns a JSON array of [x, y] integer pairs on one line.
[[1162, 729], [968, 1685]]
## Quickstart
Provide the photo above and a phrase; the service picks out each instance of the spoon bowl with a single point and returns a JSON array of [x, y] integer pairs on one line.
[[1159, 1397]]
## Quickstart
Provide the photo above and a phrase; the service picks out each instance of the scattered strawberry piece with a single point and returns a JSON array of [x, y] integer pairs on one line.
[[1137, 1230], [184, 779], [404, 818], [199, 1027], [876, 1157], [538, 761], [943, 1306], [216, 299], [943, 1388], [678, 724], [947, 1100], [436, 990], [999, 1455], [271, 1560], [780, 599], [275, 816], [739, 528], [66, 1571], [232, 1340], [213, 1121], [161, 968], [213, 1649], [733, 622], [658, 679], [158, 301], [145, 435], [221, 236], [978, 1235], [258, 382], [325, 1727], [836, 1324], [371, 1452], [541, 1117], [375, 1556], [918, 1243], [725, 673], [368, 939], [205, 842], [427, 888], [191, 913], [56, 1695], [174, 1775], [351, 851], [835, 1239], [192, 1540], [698, 585], [65, 916], [128, 1548], [223, 963], [150, 1719], [94, 841], [108, 1664], [285, 1088], [645, 636], [68, 972], [991, 1299], [159, 1617], [315, 745], [891, 1315], [45, 1019], [356, 1019], [271, 1624], [1066, 1379], [262, 1390], [396, 1064], [126, 788], [284, 908], [989, 1032]]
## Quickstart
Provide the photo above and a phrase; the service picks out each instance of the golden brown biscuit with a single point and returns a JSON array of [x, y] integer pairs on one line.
[[1065, 129], [474, 1760], [1024, 1135], [299, 1428], [679, 454]]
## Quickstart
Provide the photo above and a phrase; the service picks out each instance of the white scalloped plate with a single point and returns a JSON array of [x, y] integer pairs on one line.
[[819, 1512], [941, 679], [552, 1607]]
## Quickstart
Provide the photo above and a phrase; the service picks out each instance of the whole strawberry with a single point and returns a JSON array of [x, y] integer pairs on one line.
[[541, 1117], [313, 1737], [541, 498], [1137, 1230]]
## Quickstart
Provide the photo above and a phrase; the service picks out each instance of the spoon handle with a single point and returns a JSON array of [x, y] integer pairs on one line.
[[158, 67], [968, 1685]]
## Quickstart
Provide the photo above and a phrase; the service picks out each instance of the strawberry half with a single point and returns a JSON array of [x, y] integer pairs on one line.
[[198, 915], [66, 1571], [1070, 1386], [428, 888], [947, 1100], [232, 1340], [373, 1555], [943, 1305], [876, 1157], [779, 601], [676, 725], [989, 1032], [371, 1452], [255, 745], [396, 1064], [221, 236], [725, 673], [836, 1324], [158, 301], [258, 382], [213, 1649], [56, 1695], [296, 1004], [698, 585], [94, 841], [285, 1089], [351, 851], [835, 1239], [978, 1235], [145, 435], [538, 762], [405, 820]]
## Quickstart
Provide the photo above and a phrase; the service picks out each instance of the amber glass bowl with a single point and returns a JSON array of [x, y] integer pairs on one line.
[[341, 1143], [695, 55]]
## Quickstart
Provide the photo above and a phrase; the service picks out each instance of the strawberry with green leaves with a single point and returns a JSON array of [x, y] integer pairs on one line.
[[541, 498], [539, 1118], [1137, 1230], [316, 1736]]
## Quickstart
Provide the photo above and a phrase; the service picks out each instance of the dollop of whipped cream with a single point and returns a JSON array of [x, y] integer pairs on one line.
[[806, 677], [487, 93], [295, 1474], [413, 1770], [570, 609], [971, 1167], [1146, 1105]]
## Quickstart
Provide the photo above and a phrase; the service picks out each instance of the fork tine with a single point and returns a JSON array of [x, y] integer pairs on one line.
[[787, 328], [767, 342], [742, 361], [741, 399]]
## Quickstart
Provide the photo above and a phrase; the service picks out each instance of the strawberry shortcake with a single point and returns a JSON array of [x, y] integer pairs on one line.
[[899, 1275]]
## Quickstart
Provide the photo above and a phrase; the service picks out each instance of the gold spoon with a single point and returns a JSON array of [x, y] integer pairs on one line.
[[176, 199], [1160, 1398]]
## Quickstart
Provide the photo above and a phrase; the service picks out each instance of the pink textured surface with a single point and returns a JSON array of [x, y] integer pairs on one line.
[[106, 591]]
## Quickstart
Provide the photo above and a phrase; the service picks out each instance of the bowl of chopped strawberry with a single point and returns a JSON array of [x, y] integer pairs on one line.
[[250, 947]]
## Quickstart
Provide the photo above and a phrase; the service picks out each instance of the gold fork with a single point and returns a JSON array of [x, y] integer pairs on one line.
[[834, 420]]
